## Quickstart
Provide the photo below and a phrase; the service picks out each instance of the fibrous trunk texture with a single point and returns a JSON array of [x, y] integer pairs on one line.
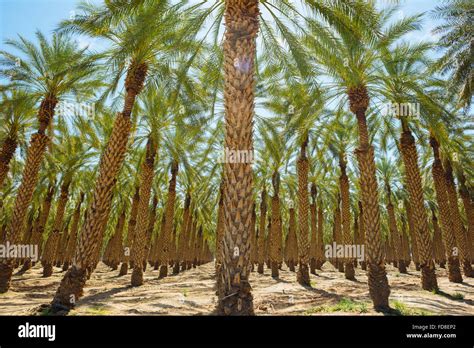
[[459, 231], [261, 231], [6, 154], [346, 219], [146, 180], [168, 229], [377, 277], [242, 23], [302, 167], [449, 239], [111, 161], [420, 218]]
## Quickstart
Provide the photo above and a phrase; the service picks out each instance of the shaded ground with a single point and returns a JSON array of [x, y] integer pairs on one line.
[[192, 293]]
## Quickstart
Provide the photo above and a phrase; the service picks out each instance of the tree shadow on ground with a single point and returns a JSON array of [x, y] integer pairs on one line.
[[454, 298]]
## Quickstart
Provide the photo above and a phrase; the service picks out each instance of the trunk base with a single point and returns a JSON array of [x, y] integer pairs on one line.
[[379, 289], [137, 276], [6, 271], [163, 272], [291, 265], [340, 266], [260, 268], [176, 268], [428, 277], [312, 266], [69, 291], [123, 269], [303, 275], [349, 272], [66, 266], [454, 270], [402, 268], [238, 301], [467, 268], [47, 270], [275, 272], [26, 267]]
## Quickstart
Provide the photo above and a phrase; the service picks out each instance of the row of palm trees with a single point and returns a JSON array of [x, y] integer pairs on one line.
[[315, 95]]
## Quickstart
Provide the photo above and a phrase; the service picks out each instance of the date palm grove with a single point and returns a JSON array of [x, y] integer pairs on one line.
[[247, 133]]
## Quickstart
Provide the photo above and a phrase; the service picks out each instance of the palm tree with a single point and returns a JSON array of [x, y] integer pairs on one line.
[[387, 170], [49, 73], [449, 239], [69, 154], [339, 136], [242, 21], [130, 40], [17, 113], [349, 58], [146, 180], [403, 81], [291, 245], [459, 231], [456, 38]]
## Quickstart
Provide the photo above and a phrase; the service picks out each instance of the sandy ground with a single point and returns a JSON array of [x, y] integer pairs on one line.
[[192, 293]]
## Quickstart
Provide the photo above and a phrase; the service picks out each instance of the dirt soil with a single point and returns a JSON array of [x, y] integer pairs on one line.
[[193, 293]]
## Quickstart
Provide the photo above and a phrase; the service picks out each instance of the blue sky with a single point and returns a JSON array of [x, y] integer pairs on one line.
[[25, 16]]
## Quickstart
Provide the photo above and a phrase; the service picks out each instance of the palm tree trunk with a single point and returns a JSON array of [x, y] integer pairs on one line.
[[302, 167], [74, 280], [449, 239], [220, 235], [363, 264], [146, 180], [261, 231], [169, 213], [71, 246], [241, 21], [253, 236], [132, 223], [420, 218], [6, 154], [405, 243], [36, 150], [159, 242], [149, 229], [314, 230], [346, 218], [183, 233], [469, 211], [338, 262], [320, 238], [116, 248], [276, 232], [51, 244], [440, 252], [38, 229], [395, 236], [377, 277], [413, 242], [292, 241], [457, 224]]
